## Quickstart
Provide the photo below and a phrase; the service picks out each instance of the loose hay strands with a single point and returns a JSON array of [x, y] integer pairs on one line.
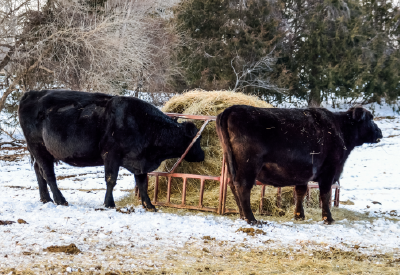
[[199, 102], [210, 256]]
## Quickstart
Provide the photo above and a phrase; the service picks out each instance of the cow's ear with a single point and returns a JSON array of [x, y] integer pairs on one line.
[[190, 129], [359, 113]]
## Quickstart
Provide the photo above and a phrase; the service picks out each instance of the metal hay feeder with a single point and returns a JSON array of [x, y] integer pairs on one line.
[[223, 180]]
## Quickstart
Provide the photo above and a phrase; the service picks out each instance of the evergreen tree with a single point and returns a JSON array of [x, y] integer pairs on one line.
[[228, 36], [341, 49]]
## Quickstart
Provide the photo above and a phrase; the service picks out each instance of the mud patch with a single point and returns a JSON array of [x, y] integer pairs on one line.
[[68, 249]]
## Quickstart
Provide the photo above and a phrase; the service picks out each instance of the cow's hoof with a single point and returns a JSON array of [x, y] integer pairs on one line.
[[151, 209], [299, 217], [65, 203], [327, 222], [46, 200], [251, 222], [110, 206], [257, 223]]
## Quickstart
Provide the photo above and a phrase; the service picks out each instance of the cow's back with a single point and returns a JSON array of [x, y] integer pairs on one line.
[[293, 144], [68, 123]]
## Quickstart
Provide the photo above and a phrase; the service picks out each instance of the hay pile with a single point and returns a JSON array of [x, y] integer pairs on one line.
[[198, 102]]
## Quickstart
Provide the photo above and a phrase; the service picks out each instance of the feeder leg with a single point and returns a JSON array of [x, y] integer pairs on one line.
[[184, 191], [156, 190], [221, 186], [201, 193], [308, 196], [224, 190], [299, 194], [337, 193], [260, 209], [279, 198], [169, 190]]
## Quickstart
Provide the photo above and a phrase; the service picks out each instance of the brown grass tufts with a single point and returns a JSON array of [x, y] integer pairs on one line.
[[68, 249]]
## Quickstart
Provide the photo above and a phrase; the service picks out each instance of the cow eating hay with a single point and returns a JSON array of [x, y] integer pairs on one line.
[[93, 129]]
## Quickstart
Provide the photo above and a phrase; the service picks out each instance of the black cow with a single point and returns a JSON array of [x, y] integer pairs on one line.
[[285, 147], [94, 129]]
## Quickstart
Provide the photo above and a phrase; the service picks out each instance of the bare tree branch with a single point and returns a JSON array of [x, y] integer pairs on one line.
[[121, 47], [256, 75]]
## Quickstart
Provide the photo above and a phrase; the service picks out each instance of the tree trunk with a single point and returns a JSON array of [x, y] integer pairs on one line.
[[314, 100]]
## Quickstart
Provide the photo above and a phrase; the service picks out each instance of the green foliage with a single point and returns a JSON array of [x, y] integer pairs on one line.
[[342, 49], [220, 31], [325, 48]]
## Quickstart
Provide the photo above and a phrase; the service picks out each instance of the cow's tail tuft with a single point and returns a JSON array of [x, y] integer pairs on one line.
[[222, 131], [33, 160]]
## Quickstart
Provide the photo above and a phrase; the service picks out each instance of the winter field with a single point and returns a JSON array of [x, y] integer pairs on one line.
[[183, 242]]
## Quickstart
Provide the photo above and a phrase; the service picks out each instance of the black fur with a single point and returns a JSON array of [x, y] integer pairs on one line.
[[285, 147], [93, 129]]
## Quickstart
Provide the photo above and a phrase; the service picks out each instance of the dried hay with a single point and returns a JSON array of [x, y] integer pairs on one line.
[[208, 256], [199, 102], [68, 249]]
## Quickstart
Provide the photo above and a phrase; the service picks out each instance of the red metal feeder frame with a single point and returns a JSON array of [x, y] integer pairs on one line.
[[223, 179]]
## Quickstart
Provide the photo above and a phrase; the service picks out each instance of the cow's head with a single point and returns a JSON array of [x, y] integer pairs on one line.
[[195, 153], [367, 130]]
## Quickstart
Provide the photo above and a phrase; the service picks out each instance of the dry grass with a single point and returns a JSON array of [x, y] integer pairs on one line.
[[210, 256]]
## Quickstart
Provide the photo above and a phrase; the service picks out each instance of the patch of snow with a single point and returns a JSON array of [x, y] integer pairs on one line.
[[370, 175]]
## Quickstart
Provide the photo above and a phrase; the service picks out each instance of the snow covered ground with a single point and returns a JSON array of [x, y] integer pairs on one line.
[[109, 238]]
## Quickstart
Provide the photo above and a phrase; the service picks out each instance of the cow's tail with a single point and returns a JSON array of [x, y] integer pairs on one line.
[[223, 135], [33, 160]]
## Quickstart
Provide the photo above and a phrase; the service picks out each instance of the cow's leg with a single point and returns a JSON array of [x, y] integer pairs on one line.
[[301, 191], [111, 168], [244, 198], [236, 197], [325, 193], [250, 166], [46, 166], [244, 182], [43, 190], [50, 177], [141, 182]]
